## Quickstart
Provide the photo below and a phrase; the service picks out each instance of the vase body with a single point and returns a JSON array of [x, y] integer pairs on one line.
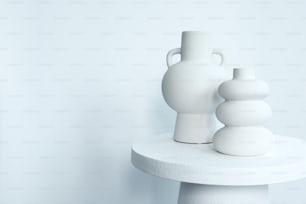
[[190, 87], [243, 113]]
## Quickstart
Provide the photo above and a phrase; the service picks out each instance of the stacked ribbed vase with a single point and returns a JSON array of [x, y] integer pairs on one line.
[[243, 113]]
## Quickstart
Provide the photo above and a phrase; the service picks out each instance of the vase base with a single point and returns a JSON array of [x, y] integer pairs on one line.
[[194, 128]]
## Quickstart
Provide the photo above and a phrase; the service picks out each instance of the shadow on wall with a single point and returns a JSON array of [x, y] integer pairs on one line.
[[151, 189], [144, 187], [163, 118]]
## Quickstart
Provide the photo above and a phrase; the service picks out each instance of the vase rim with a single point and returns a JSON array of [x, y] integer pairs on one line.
[[196, 32]]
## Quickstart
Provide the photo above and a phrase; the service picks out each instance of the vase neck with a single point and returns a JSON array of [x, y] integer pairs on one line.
[[195, 46], [244, 74]]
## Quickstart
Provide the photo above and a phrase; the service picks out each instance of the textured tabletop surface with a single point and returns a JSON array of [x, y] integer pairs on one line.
[[200, 163]]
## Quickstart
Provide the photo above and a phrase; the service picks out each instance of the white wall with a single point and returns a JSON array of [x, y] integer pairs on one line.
[[80, 79]]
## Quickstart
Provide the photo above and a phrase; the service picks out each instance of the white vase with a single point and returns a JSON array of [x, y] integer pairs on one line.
[[244, 112], [190, 87]]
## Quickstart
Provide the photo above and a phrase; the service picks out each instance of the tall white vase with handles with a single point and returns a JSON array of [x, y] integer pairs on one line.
[[243, 113], [190, 87]]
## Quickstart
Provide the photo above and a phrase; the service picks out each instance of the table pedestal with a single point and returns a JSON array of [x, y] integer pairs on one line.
[[211, 194]]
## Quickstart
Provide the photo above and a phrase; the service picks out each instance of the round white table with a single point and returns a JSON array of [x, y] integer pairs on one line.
[[209, 177]]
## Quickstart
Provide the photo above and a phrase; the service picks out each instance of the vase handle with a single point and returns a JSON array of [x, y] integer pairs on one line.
[[170, 54], [217, 52]]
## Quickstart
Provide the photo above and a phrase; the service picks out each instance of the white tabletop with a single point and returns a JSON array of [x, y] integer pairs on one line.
[[200, 163]]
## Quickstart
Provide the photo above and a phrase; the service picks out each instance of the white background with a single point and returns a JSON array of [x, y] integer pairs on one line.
[[79, 80]]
